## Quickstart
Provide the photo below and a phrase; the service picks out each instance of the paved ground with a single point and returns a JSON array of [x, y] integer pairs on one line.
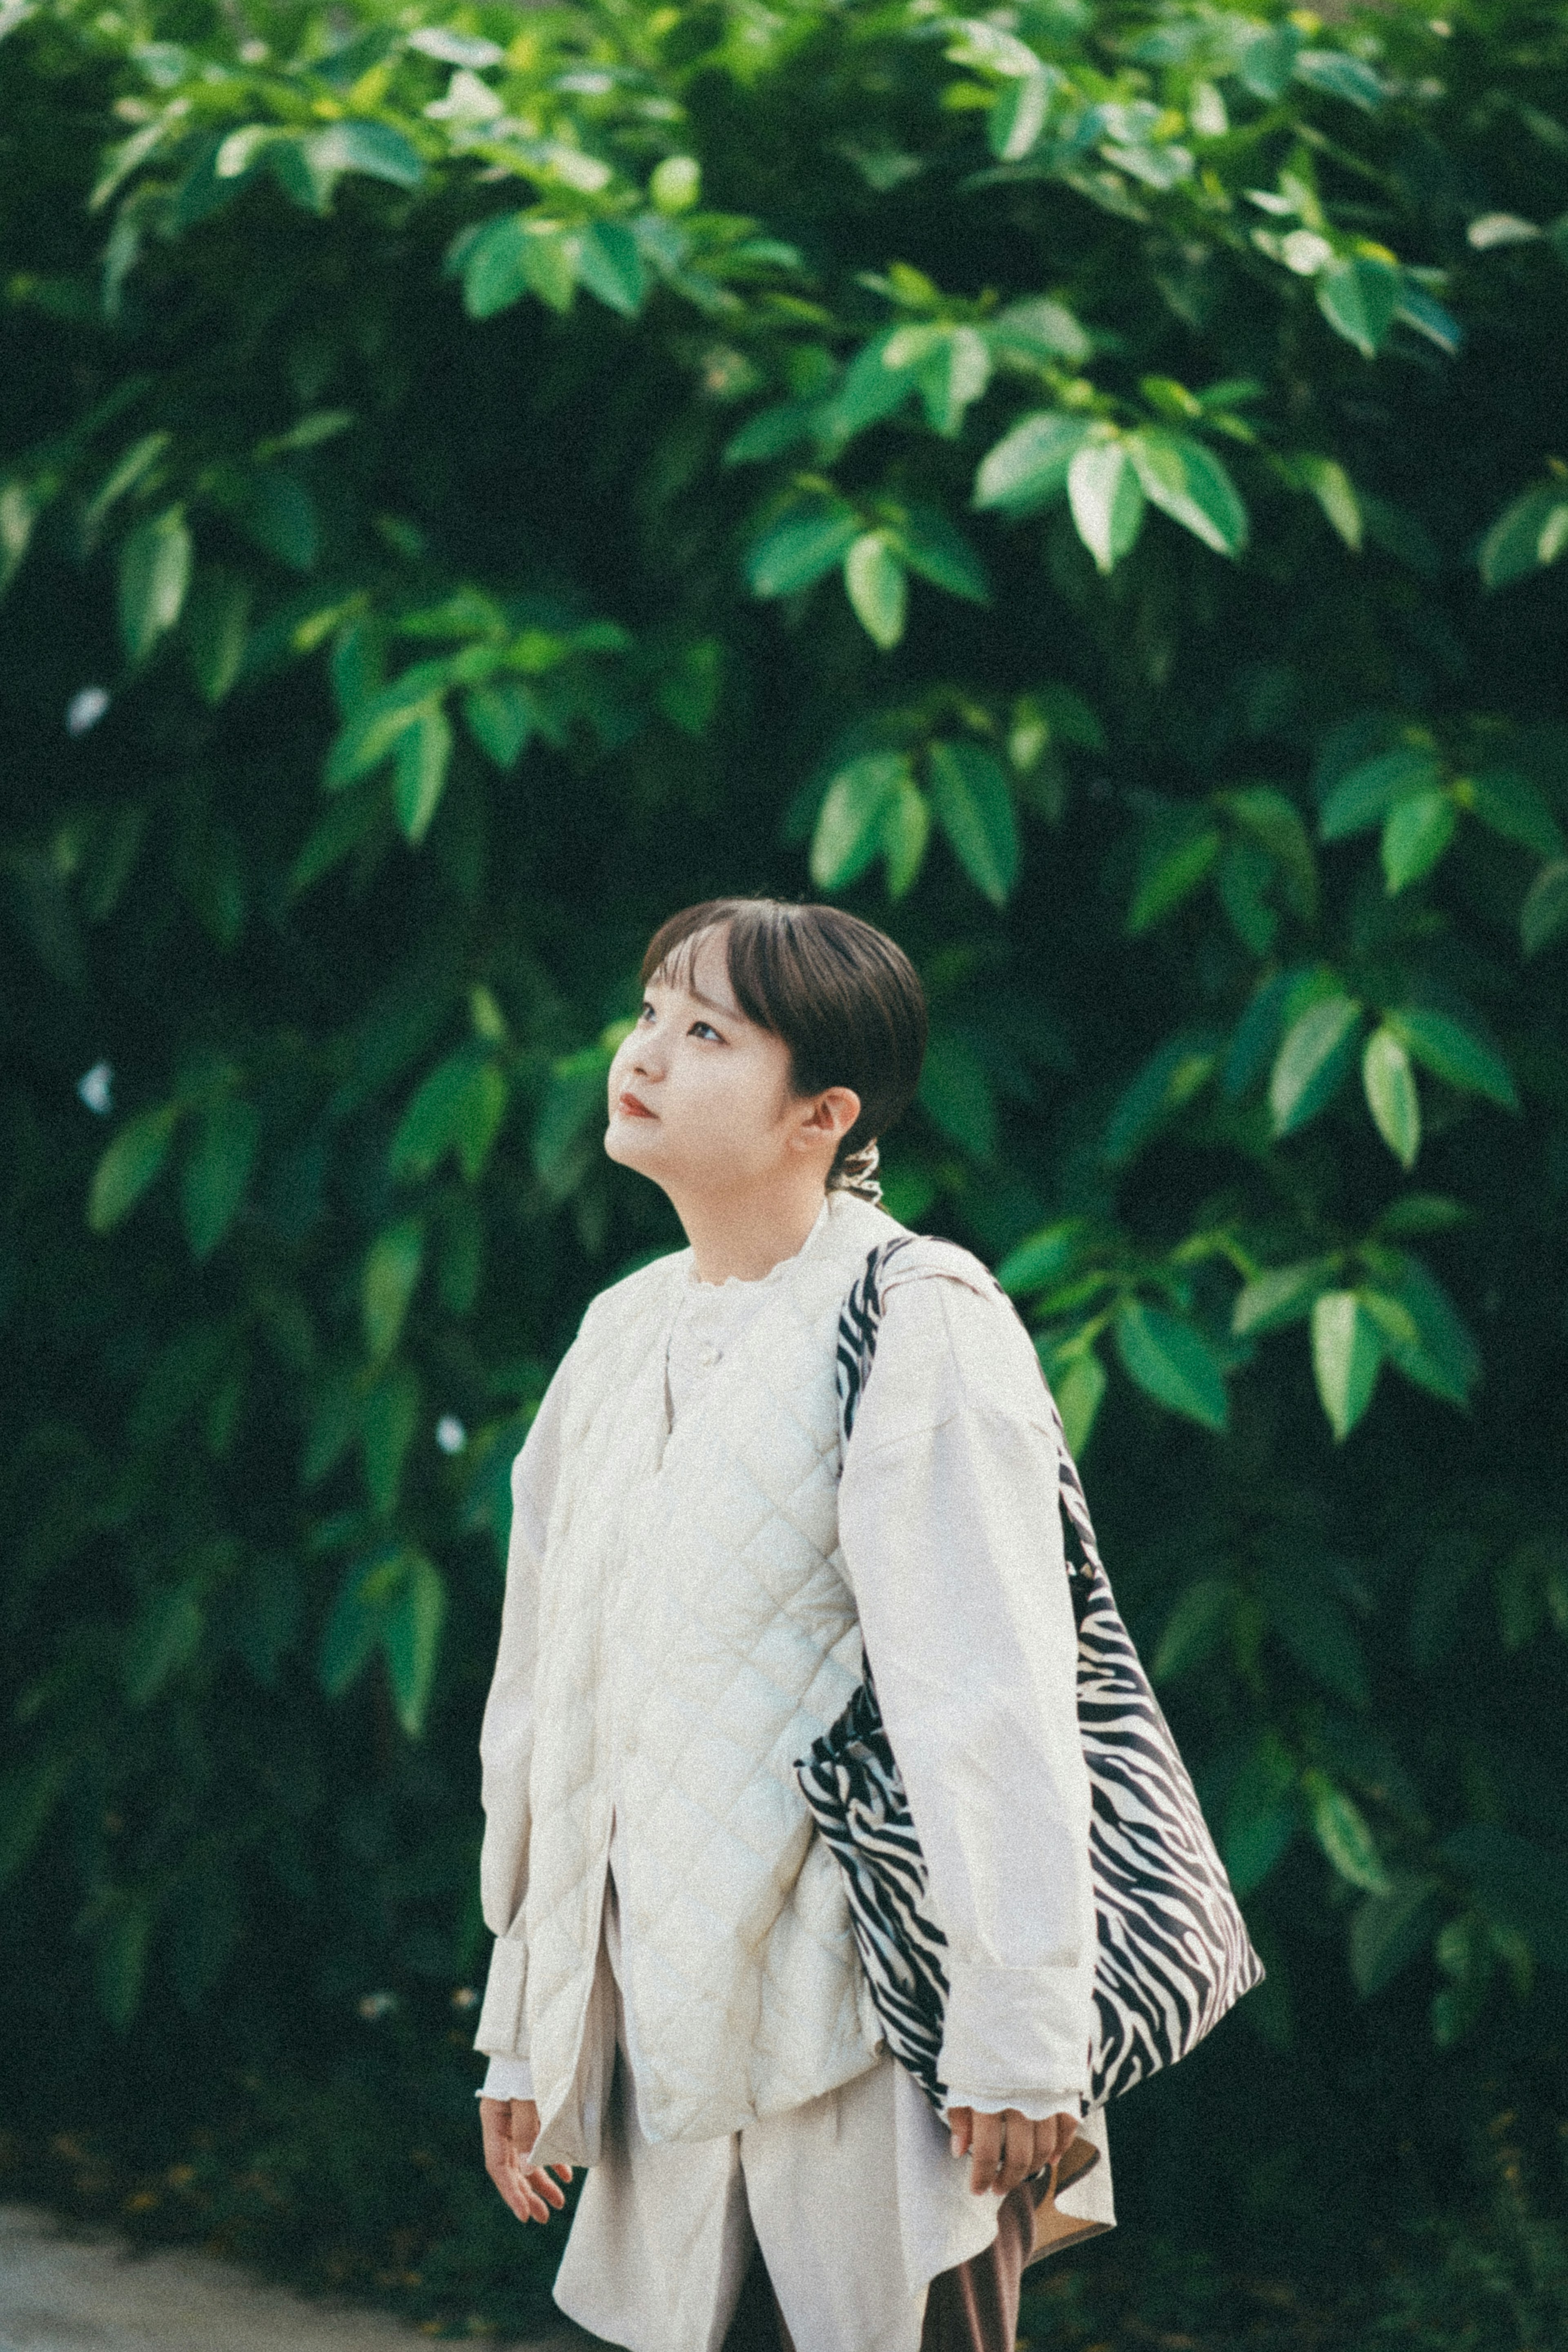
[[78, 2293]]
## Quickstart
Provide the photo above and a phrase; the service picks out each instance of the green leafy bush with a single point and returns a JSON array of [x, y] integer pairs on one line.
[[1077, 481]]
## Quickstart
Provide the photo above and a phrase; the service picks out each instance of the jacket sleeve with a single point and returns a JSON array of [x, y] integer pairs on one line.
[[506, 1736], [952, 1540]]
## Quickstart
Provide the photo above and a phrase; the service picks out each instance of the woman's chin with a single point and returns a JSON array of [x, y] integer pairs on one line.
[[626, 1138]]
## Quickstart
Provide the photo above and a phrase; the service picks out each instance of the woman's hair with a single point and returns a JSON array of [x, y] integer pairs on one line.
[[843, 996]]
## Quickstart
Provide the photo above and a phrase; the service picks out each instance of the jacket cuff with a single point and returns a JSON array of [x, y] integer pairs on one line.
[[508, 2078], [499, 2034], [1007, 2026]]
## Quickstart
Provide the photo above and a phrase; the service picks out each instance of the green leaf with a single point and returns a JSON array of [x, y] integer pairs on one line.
[[1442, 1357], [1303, 1609], [610, 266], [217, 621], [1018, 115], [1039, 1261], [376, 150], [956, 1094], [20, 506], [501, 720], [1526, 536], [801, 549], [1330, 483], [279, 514], [29, 1796], [1455, 1051], [1364, 797], [375, 727], [1173, 1362], [1177, 850], [770, 432], [1415, 832], [1422, 1213], [1313, 1062], [1241, 880], [133, 1161], [1391, 1096], [1168, 1080], [1347, 1356], [572, 1115], [1390, 1930], [391, 1274], [389, 1417], [348, 818], [1040, 329], [905, 832], [1274, 821], [1360, 298], [419, 778], [932, 547], [953, 375], [1284, 1294], [217, 1171], [1196, 1628], [353, 1625], [1106, 500], [1027, 469], [877, 588], [1545, 914], [1514, 808], [1190, 484], [974, 805], [1341, 76], [459, 1107], [154, 573], [1077, 1384], [1342, 1831], [411, 1639], [164, 1638], [848, 832], [871, 389], [1261, 1815], [495, 267]]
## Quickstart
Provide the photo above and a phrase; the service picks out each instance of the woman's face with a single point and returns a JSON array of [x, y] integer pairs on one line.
[[699, 1097]]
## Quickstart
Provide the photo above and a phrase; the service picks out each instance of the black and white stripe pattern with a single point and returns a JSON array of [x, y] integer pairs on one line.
[[1173, 1954]]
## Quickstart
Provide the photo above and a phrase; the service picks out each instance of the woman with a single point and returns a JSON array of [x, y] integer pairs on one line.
[[675, 1999]]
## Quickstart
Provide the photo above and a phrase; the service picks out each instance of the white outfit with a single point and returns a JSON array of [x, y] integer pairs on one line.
[[949, 1541]]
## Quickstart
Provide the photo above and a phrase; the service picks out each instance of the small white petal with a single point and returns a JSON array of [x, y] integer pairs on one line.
[[97, 1088], [84, 709], [450, 1434]]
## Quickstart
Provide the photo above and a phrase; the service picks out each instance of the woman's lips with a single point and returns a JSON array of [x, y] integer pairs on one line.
[[635, 1109]]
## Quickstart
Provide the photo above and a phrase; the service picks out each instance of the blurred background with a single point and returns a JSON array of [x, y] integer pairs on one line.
[[1084, 486]]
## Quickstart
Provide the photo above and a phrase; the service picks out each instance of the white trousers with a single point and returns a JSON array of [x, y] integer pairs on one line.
[[663, 2234]]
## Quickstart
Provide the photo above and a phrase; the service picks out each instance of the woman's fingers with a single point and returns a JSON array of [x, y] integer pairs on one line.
[[510, 2129], [987, 2135], [1017, 2151]]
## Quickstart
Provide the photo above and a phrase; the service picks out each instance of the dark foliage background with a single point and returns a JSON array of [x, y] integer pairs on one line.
[[1085, 485]]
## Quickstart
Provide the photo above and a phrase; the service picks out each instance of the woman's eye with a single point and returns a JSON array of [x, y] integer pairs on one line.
[[708, 1026]]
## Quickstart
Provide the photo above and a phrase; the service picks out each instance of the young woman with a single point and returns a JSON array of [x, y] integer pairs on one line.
[[675, 1999]]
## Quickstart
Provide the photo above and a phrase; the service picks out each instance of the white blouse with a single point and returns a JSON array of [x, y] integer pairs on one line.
[[952, 1541]]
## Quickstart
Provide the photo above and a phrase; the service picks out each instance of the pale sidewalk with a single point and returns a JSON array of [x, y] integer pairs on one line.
[[78, 2291]]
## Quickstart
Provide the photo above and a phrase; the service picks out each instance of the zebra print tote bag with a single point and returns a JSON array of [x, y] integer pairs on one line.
[[1173, 1952]]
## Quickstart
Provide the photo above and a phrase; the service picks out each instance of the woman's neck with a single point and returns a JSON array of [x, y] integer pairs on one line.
[[747, 1235]]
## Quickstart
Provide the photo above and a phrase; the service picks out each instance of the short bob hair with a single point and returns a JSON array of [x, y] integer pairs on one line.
[[843, 996]]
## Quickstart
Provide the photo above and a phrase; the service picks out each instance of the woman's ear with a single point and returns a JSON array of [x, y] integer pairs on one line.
[[830, 1116]]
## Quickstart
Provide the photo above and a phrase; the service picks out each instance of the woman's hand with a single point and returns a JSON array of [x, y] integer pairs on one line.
[[510, 2129], [1007, 2148]]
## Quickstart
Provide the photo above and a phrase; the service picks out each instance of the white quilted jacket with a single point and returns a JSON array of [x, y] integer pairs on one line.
[[695, 1632]]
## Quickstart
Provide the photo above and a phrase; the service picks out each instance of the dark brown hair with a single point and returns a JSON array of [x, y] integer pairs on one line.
[[843, 996]]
